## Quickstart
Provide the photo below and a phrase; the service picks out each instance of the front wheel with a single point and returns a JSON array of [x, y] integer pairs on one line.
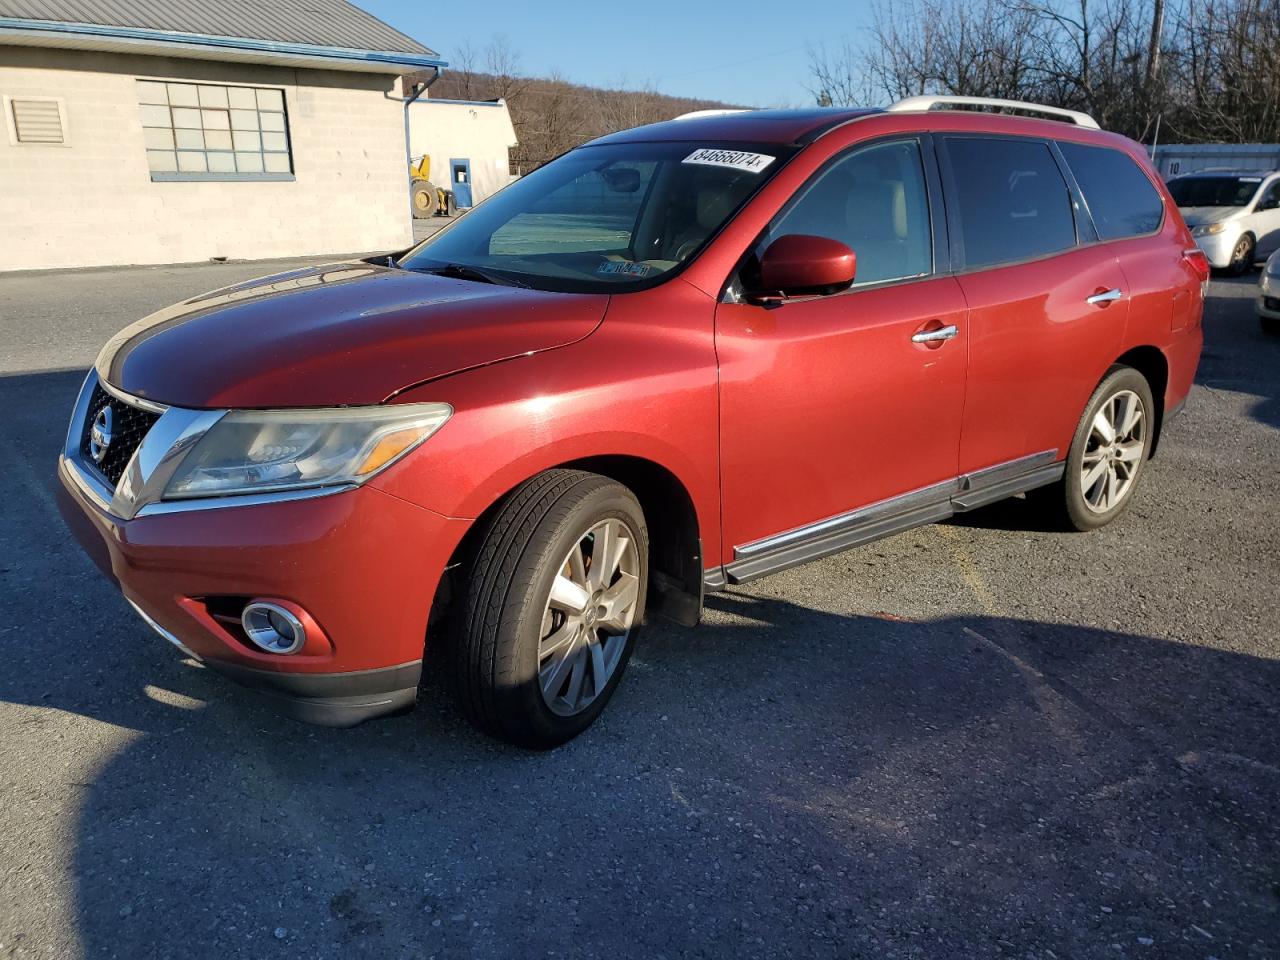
[[1241, 257], [1108, 453], [554, 599]]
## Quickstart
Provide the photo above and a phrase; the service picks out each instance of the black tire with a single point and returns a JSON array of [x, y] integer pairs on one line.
[[508, 576], [422, 195], [1064, 502], [1270, 325], [1242, 256]]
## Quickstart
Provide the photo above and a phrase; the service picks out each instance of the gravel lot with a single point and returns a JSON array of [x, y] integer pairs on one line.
[[977, 739]]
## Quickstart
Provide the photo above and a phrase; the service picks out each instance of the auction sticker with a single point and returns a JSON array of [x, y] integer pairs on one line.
[[735, 159]]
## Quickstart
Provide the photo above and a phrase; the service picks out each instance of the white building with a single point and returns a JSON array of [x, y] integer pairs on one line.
[[1175, 159], [146, 131], [469, 143]]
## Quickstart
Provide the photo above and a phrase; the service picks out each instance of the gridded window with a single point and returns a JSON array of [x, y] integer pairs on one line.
[[204, 130]]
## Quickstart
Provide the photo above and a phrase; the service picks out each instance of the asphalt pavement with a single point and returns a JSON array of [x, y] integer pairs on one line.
[[976, 739]]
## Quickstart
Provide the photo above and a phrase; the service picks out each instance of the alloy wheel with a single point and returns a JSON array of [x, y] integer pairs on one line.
[[1113, 453], [1242, 255], [588, 615]]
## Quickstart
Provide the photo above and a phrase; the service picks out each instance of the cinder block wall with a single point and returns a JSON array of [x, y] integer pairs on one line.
[[92, 202]]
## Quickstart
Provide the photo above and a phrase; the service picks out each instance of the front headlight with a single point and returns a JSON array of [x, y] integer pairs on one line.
[[258, 451], [1209, 229]]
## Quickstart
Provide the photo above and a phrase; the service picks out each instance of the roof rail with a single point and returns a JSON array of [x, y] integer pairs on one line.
[[693, 115], [911, 104]]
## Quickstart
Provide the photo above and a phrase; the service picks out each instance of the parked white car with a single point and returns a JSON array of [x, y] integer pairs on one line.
[[1235, 217], [1269, 295]]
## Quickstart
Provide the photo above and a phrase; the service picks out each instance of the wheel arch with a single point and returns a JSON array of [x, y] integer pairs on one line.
[[675, 539], [1151, 362]]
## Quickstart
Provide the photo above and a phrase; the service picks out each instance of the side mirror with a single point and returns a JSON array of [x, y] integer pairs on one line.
[[798, 265]]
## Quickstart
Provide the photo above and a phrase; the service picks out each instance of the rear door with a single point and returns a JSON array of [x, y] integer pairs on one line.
[[1046, 312]]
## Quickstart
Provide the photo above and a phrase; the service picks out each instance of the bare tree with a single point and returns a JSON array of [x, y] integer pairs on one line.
[[1209, 68], [502, 64]]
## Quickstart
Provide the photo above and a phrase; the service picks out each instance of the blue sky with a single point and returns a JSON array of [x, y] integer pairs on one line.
[[750, 52]]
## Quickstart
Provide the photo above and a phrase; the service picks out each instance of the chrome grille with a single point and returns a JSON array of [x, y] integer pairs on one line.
[[129, 424]]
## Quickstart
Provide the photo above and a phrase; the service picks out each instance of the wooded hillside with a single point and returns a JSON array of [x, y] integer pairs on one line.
[[550, 114]]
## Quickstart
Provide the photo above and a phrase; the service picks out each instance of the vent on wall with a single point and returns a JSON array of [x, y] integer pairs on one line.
[[37, 120]]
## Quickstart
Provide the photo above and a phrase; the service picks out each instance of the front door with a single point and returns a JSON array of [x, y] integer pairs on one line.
[[1266, 218], [460, 182], [827, 404]]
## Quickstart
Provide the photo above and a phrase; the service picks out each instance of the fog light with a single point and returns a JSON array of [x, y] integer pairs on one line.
[[273, 628]]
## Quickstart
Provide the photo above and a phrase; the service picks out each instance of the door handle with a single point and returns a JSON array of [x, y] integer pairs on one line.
[[1105, 297], [935, 336]]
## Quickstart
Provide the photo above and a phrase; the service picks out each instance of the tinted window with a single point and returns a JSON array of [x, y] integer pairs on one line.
[[873, 200], [1213, 191], [1012, 200], [1121, 198]]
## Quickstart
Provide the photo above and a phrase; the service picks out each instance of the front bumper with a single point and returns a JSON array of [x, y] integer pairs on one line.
[[1268, 302], [362, 563]]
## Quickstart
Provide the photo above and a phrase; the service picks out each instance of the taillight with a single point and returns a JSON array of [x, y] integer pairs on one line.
[[1198, 262]]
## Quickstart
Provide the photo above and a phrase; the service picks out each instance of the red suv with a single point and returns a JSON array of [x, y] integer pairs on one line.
[[679, 357]]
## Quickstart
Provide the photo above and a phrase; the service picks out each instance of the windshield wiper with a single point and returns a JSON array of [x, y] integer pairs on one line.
[[464, 272]]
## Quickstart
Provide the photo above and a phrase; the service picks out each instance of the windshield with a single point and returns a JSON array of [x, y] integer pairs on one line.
[[1213, 191], [602, 218]]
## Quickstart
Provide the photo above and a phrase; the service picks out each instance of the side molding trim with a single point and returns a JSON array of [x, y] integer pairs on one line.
[[887, 517]]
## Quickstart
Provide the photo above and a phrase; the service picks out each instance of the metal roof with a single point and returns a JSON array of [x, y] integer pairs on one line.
[[333, 24]]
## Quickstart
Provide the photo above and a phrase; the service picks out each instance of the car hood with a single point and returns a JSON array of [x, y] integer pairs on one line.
[[335, 335], [1195, 216]]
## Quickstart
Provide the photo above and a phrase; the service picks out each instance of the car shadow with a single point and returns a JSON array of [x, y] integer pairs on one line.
[[784, 780]]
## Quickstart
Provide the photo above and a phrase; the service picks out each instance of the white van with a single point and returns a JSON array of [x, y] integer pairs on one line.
[[1235, 217]]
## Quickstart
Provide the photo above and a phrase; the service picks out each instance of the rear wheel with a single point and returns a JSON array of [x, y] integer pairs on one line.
[[1108, 453], [554, 599]]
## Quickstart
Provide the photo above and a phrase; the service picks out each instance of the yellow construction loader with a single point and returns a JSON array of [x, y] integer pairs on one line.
[[428, 199]]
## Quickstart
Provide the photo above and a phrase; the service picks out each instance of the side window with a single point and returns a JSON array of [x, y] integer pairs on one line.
[[1270, 200], [874, 200], [1012, 201], [1120, 197]]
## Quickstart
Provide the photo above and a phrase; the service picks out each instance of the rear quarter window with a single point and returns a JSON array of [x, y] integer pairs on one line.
[[1012, 200], [1121, 199]]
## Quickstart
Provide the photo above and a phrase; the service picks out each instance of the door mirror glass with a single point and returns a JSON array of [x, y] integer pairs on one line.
[[799, 265]]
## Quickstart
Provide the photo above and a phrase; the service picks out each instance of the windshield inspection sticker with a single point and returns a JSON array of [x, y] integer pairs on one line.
[[624, 268], [736, 159]]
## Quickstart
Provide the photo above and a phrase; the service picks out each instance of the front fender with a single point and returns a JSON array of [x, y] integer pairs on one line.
[[638, 387]]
